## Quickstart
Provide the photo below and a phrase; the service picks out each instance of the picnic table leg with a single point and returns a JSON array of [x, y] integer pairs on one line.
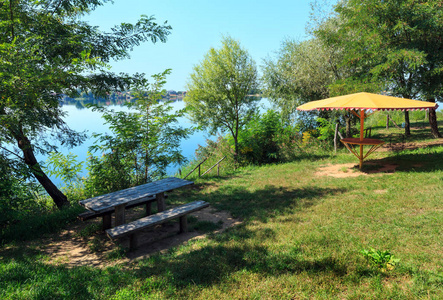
[[161, 201], [106, 221], [133, 240], [148, 209], [183, 224], [120, 214]]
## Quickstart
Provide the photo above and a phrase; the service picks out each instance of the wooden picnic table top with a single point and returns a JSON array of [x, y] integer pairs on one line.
[[103, 202]]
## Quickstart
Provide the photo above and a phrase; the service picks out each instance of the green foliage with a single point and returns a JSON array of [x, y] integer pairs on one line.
[[300, 72], [326, 129], [107, 173], [265, 139], [305, 71], [391, 46], [16, 196], [144, 141], [210, 155], [383, 260], [396, 42], [219, 90], [259, 141], [47, 50], [66, 167]]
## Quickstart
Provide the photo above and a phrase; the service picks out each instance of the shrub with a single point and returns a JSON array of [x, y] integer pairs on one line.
[[16, 197], [264, 138]]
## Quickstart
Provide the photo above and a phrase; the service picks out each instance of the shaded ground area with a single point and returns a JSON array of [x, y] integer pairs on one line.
[[399, 146], [387, 165], [72, 249]]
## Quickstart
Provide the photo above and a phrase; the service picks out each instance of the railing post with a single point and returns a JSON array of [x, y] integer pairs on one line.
[[216, 164], [199, 170]]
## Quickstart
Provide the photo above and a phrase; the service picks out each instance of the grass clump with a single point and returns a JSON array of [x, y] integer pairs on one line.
[[382, 260]]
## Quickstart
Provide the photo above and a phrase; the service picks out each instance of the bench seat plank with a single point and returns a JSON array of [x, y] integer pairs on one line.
[[130, 228]]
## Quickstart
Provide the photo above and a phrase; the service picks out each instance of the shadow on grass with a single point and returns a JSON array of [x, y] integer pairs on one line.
[[430, 159], [266, 203], [33, 226], [419, 132], [212, 264], [26, 275], [172, 275]]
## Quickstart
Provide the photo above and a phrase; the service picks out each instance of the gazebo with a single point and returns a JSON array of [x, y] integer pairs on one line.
[[360, 104]]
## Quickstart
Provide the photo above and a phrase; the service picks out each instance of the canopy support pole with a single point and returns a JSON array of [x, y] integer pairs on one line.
[[362, 124]]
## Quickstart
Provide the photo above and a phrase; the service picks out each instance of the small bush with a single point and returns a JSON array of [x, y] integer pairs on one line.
[[382, 260]]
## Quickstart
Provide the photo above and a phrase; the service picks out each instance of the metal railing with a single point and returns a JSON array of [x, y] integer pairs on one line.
[[208, 170]]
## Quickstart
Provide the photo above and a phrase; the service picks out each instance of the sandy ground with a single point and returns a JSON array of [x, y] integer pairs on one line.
[[71, 250], [351, 170]]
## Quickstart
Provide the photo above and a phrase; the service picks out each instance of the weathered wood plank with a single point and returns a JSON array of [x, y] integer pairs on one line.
[[92, 214], [103, 202], [173, 213]]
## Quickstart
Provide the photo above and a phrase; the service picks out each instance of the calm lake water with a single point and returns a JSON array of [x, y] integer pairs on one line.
[[85, 119]]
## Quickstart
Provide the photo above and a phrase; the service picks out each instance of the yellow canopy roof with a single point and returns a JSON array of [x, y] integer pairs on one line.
[[361, 101]]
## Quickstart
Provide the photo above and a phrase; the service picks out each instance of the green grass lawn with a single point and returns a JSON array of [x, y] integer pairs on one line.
[[301, 238]]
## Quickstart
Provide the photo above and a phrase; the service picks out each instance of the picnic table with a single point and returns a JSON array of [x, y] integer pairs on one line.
[[351, 142], [117, 201]]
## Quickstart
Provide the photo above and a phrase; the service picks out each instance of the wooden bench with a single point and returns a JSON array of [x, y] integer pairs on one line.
[[106, 214], [131, 229]]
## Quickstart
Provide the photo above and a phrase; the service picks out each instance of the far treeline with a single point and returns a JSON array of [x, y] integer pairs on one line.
[[393, 47], [115, 98]]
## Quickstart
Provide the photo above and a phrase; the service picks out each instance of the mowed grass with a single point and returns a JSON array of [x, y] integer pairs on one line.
[[300, 238]]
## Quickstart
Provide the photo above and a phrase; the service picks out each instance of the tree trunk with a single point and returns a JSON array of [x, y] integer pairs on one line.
[[407, 124], [387, 122], [25, 145], [235, 152], [433, 121], [348, 126]]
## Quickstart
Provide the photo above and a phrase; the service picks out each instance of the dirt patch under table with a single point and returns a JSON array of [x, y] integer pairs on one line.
[[70, 249], [352, 170]]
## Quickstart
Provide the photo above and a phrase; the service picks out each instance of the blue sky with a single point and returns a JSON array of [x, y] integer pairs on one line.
[[260, 26]]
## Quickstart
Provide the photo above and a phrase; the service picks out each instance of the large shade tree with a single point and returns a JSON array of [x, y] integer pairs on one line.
[[304, 71], [220, 87], [395, 42], [46, 50]]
